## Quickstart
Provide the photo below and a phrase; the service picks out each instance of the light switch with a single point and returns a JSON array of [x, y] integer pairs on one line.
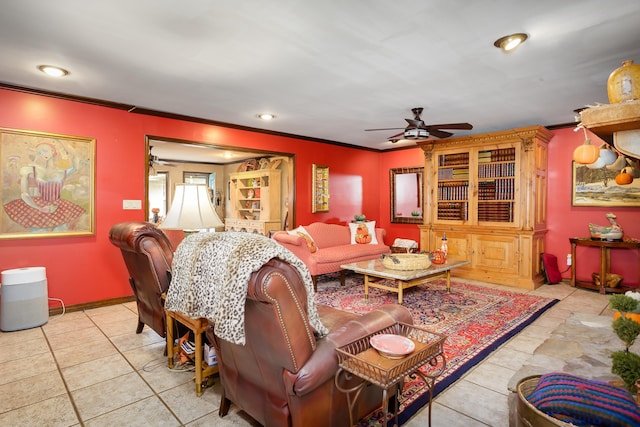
[[132, 204]]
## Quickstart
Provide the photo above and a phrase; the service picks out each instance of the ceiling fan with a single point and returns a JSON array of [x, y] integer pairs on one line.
[[157, 161], [418, 130]]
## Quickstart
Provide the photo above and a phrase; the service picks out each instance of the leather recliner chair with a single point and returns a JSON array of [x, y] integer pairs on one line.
[[284, 376], [148, 254]]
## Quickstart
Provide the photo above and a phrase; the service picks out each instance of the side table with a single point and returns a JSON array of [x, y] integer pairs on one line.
[[198, 326], [361, 360], [605, 261]]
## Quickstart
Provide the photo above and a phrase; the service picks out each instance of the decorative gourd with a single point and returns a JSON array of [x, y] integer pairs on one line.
[[607, 155], [632, 316], [586, 153], [438, 257], [624, 179], [362, 234], [620, 163], [632, 169], [598, 164]]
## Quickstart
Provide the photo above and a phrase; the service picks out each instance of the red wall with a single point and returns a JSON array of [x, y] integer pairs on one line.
[[413, 157], [565, 221], [87, 269]]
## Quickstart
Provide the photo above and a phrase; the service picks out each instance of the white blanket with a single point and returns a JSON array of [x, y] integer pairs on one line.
[[210, 278]]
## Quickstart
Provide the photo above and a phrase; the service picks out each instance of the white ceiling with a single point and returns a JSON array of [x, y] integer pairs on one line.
[[327, 69]]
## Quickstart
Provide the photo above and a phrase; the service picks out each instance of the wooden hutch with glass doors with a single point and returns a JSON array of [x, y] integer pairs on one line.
[[488, 194], [255, 201]]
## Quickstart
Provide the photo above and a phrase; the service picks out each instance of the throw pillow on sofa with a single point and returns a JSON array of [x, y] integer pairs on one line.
[[363, 233], [302, 232]]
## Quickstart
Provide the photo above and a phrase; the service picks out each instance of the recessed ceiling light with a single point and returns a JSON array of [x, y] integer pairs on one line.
[[266, 116], [510, 42], [53, 71]]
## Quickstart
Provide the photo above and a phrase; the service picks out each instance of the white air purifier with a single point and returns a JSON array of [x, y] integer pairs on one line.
[[23, 299]]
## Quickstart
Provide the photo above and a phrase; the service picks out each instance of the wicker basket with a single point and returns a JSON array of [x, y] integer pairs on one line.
[[527, 414], [406, 261]]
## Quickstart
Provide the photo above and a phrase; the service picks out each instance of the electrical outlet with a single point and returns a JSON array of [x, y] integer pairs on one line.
[[568, 260]]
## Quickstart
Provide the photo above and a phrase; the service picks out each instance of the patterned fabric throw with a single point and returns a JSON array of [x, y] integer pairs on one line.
[[584, 402], [211, 273]]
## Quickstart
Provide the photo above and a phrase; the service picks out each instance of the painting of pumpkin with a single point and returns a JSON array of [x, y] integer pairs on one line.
[[362, 234]]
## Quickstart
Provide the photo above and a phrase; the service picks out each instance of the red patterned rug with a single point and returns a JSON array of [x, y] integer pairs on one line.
[[476, 320]]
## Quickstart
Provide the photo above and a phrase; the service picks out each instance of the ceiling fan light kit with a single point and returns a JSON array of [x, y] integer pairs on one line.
[[416, 134]]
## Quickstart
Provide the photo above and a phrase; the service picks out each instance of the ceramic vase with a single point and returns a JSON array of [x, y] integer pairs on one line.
[[624, 83]]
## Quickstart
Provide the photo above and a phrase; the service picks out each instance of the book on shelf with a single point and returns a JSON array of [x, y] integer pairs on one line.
[[452, 211], [453, 159], [495, 212]]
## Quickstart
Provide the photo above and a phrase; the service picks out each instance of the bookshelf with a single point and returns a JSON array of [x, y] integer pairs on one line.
[[255, 201], [488, 194]]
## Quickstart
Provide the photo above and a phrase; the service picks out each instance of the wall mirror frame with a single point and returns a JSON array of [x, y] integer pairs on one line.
[[407, 195]]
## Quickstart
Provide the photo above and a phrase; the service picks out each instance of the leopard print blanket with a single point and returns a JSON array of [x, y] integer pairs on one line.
[[210, 278]]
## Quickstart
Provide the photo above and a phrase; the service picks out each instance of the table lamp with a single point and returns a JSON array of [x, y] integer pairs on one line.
[[191, 210]]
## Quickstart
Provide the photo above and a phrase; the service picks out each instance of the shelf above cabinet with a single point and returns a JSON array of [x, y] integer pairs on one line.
[[605, 119]]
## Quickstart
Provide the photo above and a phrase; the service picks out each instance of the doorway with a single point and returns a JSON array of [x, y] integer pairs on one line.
[[172, 161]]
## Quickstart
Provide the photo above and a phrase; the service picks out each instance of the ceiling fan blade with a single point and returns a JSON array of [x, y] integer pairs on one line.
[[439, 133], [463, 126], [367, 130], [416, 123], [391, 138], [163, 163]]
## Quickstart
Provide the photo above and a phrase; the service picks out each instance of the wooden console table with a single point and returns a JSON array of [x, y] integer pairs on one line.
[[605, 261]]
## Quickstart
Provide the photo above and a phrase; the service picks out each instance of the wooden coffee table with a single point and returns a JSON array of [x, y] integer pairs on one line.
[[376, 275]]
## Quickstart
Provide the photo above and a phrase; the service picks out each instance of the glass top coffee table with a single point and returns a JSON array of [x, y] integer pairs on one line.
[[376, 275]]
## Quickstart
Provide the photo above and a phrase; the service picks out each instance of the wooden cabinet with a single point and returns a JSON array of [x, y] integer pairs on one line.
[[488, 194], [255, 201]]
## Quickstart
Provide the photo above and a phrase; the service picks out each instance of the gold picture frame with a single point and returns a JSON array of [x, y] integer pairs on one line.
[[48, 187], [320, 188], [598, 187]]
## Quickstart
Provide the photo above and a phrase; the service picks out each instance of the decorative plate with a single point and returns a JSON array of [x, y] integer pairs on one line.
[[392, 346]]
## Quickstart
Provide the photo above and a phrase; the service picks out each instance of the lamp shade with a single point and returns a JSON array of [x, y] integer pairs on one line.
[[191, 209]]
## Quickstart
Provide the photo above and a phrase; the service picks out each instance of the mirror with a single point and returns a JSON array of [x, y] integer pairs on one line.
[[407, 201]]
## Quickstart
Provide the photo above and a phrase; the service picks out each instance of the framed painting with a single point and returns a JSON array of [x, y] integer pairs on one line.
[[598, 187], [48, 184], [320, 188]]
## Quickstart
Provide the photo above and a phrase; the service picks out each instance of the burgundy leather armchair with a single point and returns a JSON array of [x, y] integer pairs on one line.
[[148, 254], [283, 376]]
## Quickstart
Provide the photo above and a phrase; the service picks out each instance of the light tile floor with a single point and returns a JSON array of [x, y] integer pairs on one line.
[[91, 369]]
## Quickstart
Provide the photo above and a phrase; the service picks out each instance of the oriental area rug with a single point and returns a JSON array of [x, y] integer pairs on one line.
[[475, 319]]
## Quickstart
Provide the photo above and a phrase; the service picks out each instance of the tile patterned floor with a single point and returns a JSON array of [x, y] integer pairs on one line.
[[91, 369]]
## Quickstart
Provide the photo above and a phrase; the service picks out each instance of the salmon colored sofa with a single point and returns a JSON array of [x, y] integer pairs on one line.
[[334, 248]]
